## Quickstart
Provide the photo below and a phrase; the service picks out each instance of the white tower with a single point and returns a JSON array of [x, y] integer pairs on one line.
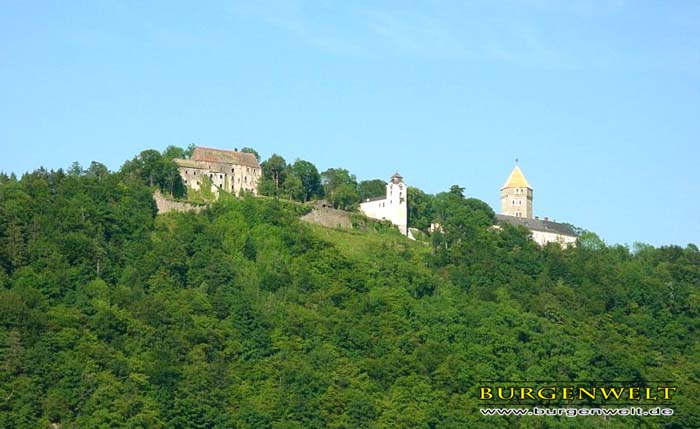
[[397, 197]]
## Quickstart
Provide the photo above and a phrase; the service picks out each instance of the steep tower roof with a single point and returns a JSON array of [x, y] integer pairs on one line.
[[396, 178], [516, 180]]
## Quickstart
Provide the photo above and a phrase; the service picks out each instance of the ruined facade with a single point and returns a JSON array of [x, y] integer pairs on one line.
[[227, 170]]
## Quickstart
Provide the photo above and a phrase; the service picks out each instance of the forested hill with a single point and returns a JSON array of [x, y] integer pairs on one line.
[[241, 316]]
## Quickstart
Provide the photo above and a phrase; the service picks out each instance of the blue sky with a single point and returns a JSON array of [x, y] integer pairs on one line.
[[600, 100]]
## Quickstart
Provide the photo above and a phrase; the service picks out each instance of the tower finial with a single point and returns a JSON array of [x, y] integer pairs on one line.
[[516, 161]]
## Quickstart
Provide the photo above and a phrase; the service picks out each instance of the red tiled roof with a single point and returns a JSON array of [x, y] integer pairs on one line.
[[226, 156]]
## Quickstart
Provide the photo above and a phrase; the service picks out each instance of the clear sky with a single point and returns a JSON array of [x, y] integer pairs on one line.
[[600, 100]]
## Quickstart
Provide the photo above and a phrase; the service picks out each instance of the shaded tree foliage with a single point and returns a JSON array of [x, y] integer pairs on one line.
[[156, 170], [310, 179], [371, 189], [274, 171], [420, 208], [340, 188]]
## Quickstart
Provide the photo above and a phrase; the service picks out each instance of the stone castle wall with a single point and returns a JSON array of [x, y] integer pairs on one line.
[[166, 205], [324, 215]]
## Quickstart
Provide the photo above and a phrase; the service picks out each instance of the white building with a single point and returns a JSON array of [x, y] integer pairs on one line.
[[393, 207], [543, 230]]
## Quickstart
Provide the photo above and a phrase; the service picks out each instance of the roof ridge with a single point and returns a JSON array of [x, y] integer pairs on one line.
[[209, 154], [217, 149]]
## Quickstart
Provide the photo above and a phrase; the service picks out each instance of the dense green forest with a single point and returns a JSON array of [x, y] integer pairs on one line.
[[242, 316]]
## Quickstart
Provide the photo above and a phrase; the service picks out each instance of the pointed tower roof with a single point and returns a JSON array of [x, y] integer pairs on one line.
[[396, 178], [516, 180]]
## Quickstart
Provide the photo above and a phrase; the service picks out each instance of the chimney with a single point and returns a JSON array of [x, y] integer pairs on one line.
[[537, 217], [546, 218]]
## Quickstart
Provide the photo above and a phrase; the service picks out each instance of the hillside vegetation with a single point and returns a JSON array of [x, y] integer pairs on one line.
[[242, 316]]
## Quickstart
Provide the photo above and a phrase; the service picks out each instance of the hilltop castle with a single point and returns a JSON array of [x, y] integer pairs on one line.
[[516, 209], [235, 172], [227, 170]]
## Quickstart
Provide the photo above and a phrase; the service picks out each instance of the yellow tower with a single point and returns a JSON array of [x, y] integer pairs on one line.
[[516, 195]]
